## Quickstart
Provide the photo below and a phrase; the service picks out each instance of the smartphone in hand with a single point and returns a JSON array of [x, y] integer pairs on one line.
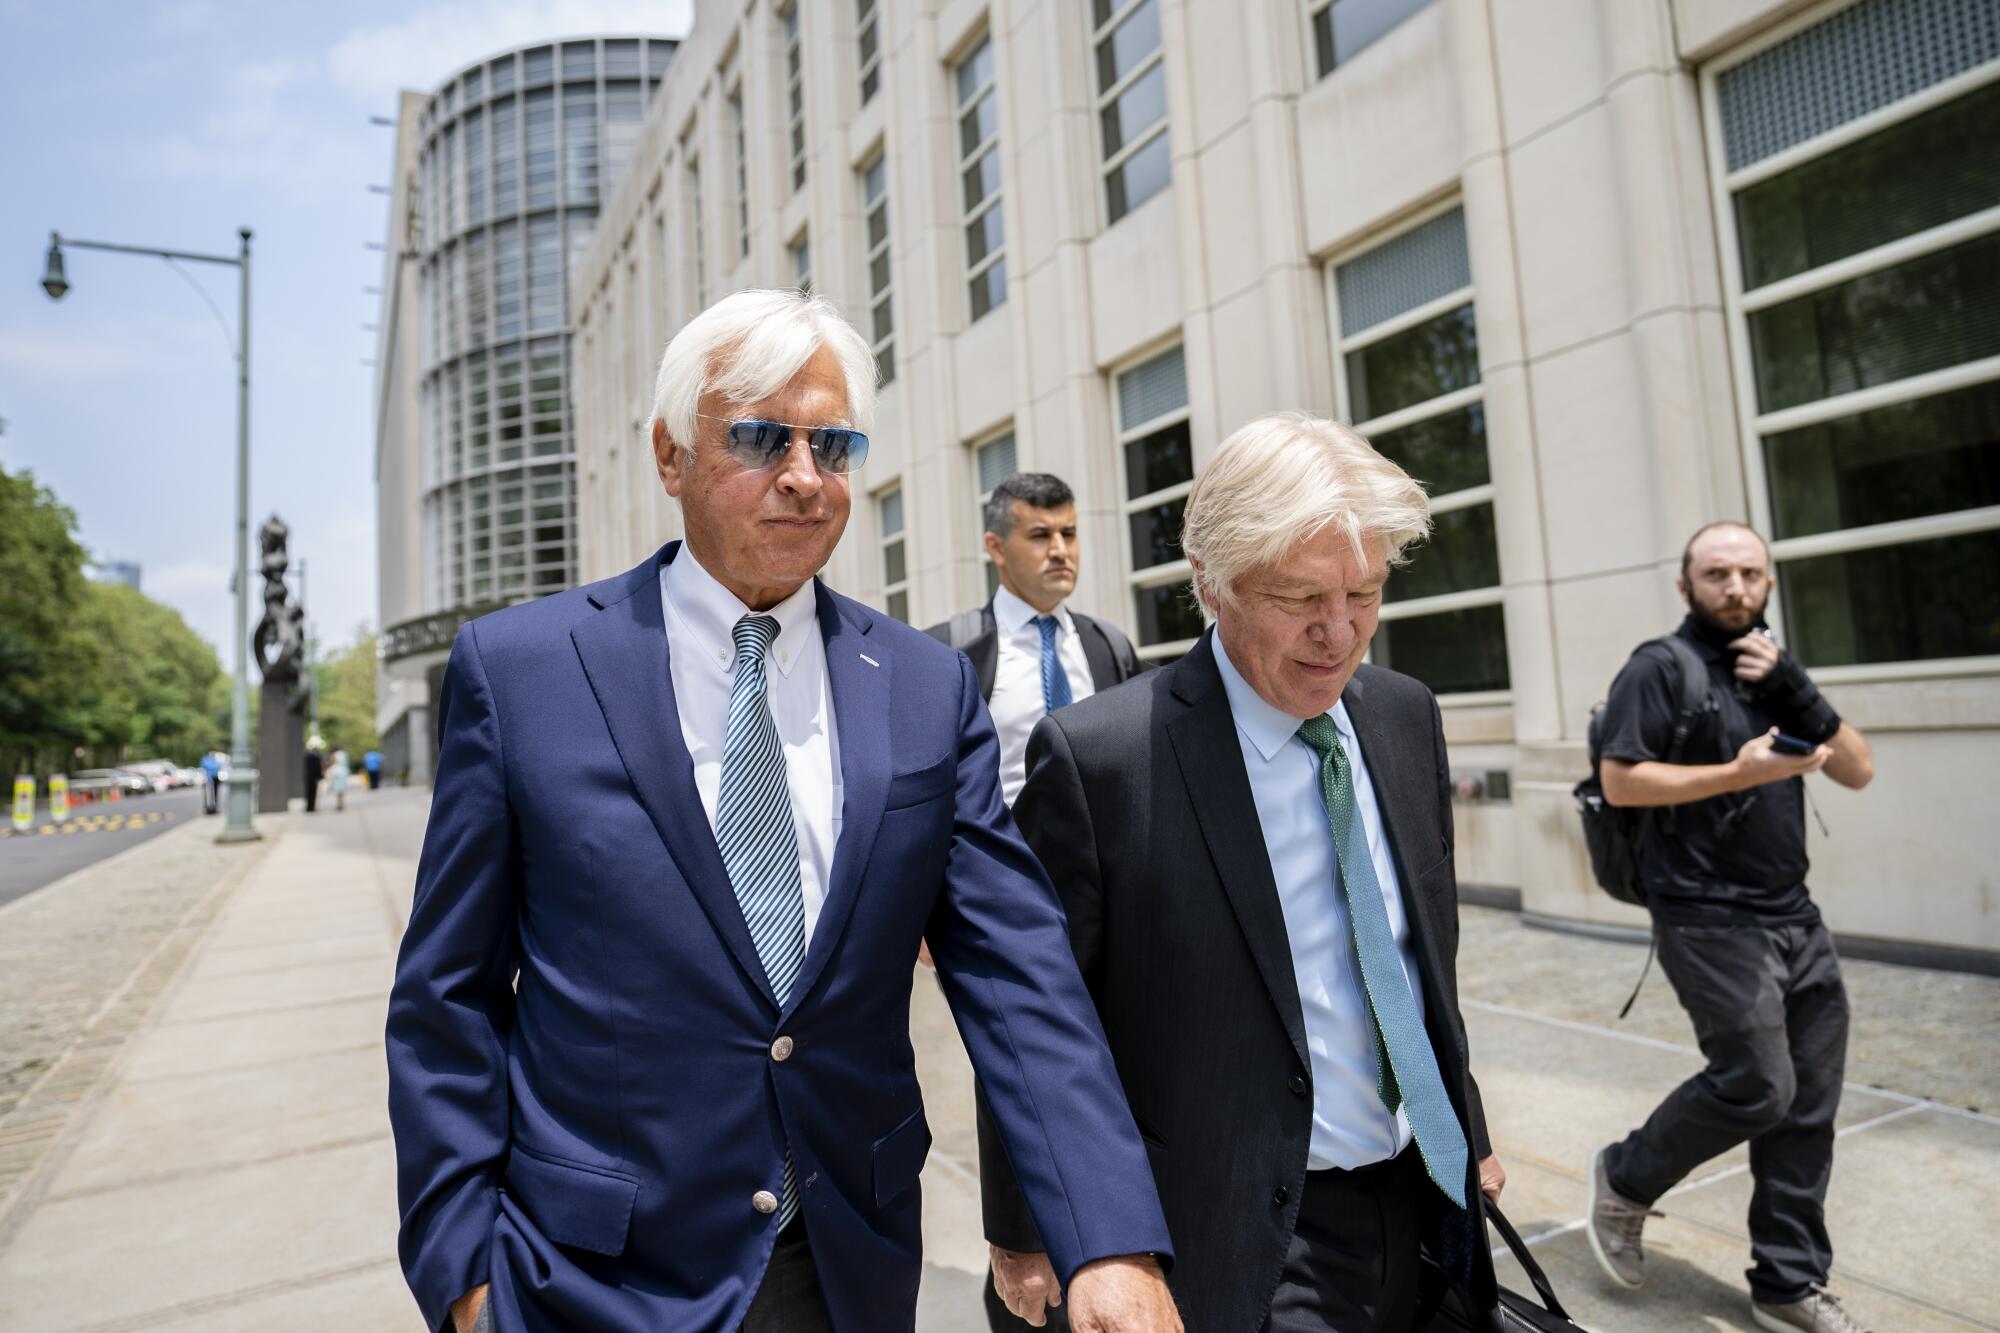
[[1784, 744]]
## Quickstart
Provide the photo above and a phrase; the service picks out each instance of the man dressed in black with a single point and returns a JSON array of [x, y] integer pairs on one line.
[[1032, 655], [1254, 850], [1724, 868]]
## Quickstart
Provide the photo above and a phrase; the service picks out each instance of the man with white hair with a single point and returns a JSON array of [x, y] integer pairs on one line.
[[649, 1038], [1254, 847]]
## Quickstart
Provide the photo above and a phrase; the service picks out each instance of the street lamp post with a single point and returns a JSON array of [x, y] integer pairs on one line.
[[236, 826]]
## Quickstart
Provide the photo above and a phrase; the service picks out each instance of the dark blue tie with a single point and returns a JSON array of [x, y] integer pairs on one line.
[[1055, 681]]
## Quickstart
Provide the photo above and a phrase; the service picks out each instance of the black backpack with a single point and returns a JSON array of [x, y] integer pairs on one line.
[[1614, 834]]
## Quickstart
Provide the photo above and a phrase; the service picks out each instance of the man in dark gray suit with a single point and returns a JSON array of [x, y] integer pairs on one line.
[[1254, 848], [1032, 655]]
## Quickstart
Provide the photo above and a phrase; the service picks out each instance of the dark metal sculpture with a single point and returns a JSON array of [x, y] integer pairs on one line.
[[279, 646]]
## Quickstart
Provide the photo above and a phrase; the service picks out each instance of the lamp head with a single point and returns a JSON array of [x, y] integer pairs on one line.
[[53, 280]]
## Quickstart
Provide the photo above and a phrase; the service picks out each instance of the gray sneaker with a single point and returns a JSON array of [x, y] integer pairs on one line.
[[1819, 1312], [1614, 1226]]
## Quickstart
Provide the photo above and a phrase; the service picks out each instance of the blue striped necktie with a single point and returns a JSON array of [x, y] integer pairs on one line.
[[1406, 1066], [753, 831], [1055, 681]]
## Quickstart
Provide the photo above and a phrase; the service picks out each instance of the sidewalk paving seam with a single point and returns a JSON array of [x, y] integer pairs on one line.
[[261, 1010], [293, 967], [290, 939], [273, 1063], [210, 1171], [1654, 1043], [1847, 1276], [86, 1071], [148, 1319]]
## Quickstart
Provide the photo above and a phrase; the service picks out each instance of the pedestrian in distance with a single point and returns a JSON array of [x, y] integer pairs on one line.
[[315, 773], [1254, 851], [371, 764], [211, 782], [1032, 655], [649, 1055], [1723, 866], [337, 776]]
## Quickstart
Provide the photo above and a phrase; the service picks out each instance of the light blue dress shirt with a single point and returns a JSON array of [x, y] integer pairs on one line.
[[1351, 1128]]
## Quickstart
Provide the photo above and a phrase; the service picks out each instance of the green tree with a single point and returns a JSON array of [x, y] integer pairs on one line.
[[155, 682], [347, 697], [93, 667], [43, 661]]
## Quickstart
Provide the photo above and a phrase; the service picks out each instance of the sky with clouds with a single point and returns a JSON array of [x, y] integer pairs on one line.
[[171, 123]]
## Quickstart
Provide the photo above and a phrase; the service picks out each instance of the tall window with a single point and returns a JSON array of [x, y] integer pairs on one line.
[[580, 143], [881, 309], [979, 172], [540, 114], [742, 174], [1157, 451], [993, 461], [895, 569], [795, 98], [802, 261], [1342, 28], [698, 255], [1858, 191], [1131, 103], [1409, 374], [868, 46]]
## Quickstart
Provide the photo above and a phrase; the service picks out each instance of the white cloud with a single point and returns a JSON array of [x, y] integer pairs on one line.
[[186, 16], [255, 135], [422, 50], [78, 352], [199, 590]]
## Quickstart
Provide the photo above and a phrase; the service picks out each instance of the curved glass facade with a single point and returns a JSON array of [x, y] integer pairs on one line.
[[517, 153]]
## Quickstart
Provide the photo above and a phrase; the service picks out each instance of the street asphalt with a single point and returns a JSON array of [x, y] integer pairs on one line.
[[48, 850]]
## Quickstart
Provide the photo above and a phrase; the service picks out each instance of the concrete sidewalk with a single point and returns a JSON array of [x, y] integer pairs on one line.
[[230, 1166]]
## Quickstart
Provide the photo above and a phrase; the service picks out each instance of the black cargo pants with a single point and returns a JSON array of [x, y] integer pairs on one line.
[[1771, 1015]]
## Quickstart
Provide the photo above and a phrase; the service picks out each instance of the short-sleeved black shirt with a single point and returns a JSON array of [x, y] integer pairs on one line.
[[1738, 857]]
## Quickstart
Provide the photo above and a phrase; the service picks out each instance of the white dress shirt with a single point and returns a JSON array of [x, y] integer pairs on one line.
[[1017, 681], [701, 618], [1351, 1127]]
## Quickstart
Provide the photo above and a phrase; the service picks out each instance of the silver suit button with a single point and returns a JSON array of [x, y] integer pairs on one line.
[[764, 1202], [781, 1049]]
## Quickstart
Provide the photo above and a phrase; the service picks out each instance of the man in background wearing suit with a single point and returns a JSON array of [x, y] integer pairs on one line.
[[1254, 847], [649, 1056], [1032, 655]]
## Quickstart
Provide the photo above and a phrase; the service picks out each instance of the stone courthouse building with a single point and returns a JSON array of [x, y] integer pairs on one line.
[[1595, 272]]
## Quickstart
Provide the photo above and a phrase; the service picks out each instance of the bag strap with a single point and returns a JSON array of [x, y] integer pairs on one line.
[[1526, 1260], [1690, 695], [1692, 692]]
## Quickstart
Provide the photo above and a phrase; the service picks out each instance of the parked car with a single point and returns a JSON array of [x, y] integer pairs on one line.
[[93, 784], [160, 774]]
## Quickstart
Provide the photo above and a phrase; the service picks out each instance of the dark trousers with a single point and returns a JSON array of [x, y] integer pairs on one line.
[[1352, 1263], [788, 1300], [1771, 1015]]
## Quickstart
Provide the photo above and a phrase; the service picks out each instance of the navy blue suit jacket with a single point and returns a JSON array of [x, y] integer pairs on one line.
[[581, 1079]]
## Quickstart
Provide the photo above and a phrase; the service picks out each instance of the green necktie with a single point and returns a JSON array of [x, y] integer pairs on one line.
[[1406, 1066]]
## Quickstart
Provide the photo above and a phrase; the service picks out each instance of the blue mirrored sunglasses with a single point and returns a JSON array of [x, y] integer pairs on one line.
[[761, 444]]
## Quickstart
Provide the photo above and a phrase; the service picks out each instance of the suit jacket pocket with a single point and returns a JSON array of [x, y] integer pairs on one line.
[[573, 1204], [925, 784], [899, 1157], [1440, 874]]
